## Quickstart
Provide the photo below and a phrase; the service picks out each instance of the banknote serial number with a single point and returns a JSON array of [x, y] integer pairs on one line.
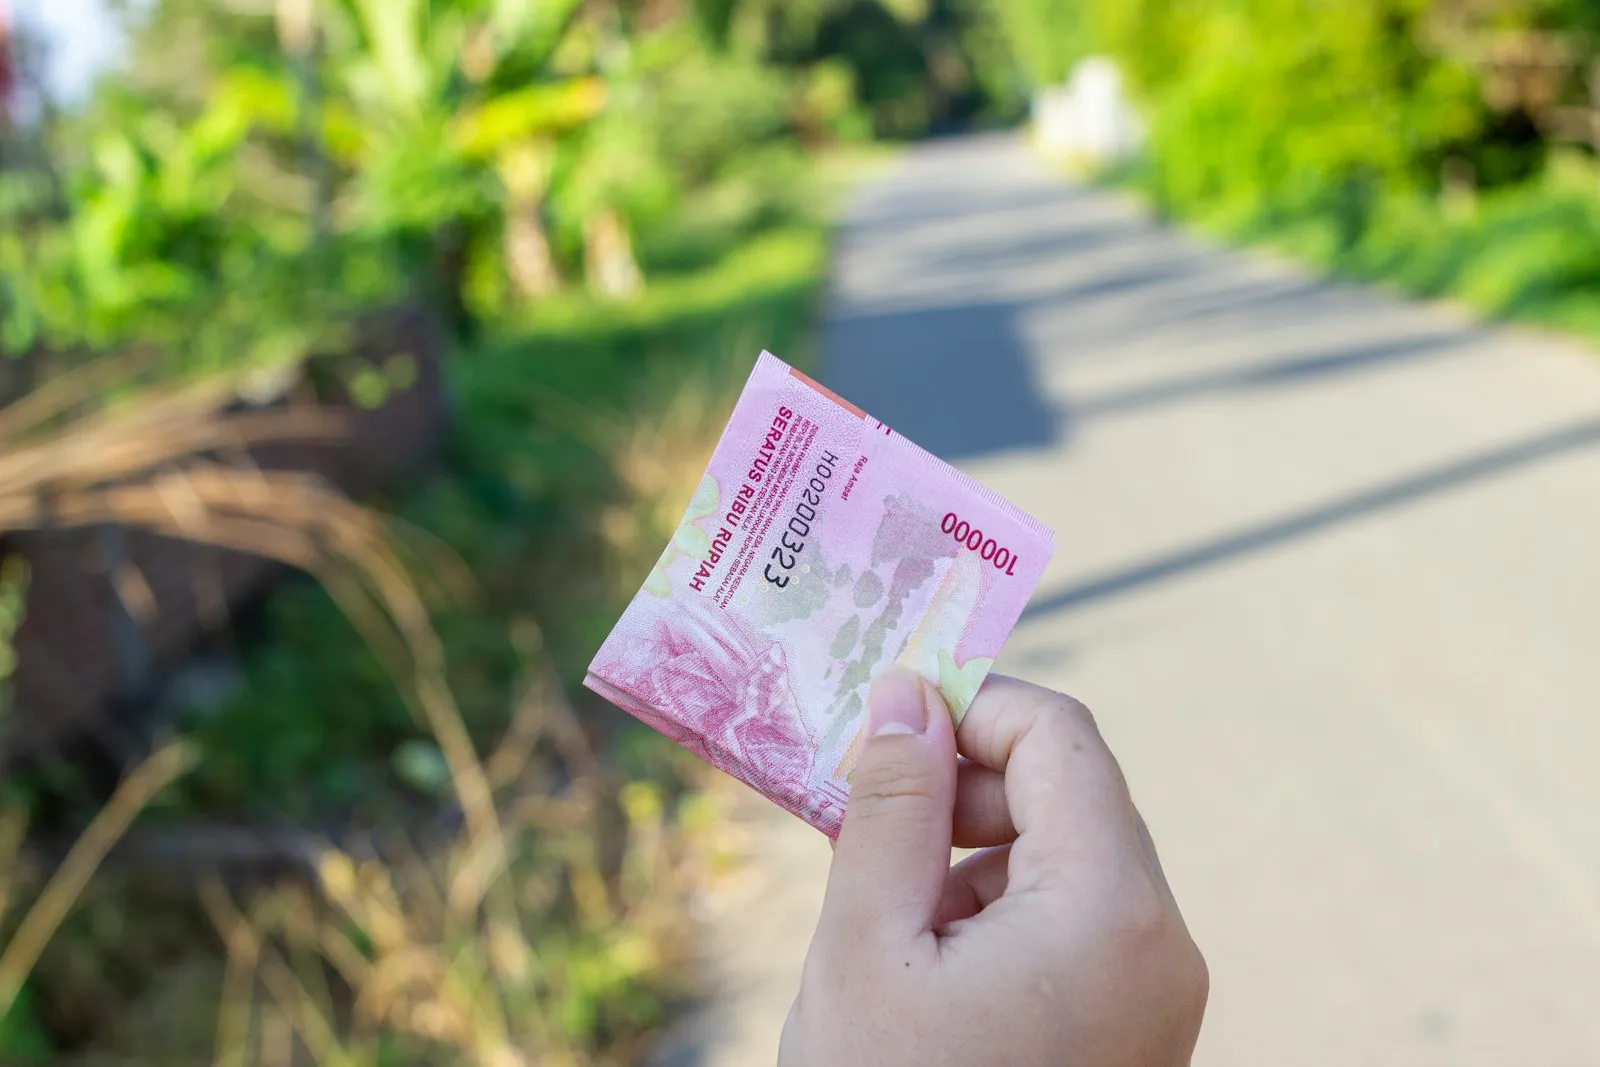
[[987, 548], [786, 554]]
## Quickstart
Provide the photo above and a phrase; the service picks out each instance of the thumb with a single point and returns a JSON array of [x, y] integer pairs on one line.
[[893, 854]]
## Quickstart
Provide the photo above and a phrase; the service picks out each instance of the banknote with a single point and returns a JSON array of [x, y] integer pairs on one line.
[[820, 549]]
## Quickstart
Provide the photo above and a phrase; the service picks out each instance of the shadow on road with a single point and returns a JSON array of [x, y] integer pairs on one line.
[[893, 209], [960, 300], [1381, 498], [962, 382], [958, 381], [1189, 417], [1295, 371], [969, 297]]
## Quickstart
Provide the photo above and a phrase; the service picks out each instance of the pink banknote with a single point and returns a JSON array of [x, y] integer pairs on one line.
[[820, 549]]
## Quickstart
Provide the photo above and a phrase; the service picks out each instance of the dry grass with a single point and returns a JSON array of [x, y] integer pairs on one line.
[[521, 943], [68, 880], [506, 951]]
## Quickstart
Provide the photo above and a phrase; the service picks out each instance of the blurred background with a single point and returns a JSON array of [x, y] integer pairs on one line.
[[359, 355]]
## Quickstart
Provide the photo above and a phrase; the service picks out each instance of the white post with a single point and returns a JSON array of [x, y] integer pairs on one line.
[[1088, 123]]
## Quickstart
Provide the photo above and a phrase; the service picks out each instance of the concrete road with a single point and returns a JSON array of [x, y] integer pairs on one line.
[[1328, 571]]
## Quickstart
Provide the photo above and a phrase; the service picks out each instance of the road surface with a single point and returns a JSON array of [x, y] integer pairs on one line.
[[1328, 571]]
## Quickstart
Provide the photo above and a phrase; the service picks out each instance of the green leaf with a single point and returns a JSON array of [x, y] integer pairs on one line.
[[117, 160], [394, 34], [247, 97], [19, 325], [530, 25], [369, 388], [401, 371], [910, 12], [530, 112], [22, 1038], [421, 765]]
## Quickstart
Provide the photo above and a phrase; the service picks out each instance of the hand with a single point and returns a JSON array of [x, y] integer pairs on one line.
[[1058, 944]]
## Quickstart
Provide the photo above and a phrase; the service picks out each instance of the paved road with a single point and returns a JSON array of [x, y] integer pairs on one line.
[[1328, 569]]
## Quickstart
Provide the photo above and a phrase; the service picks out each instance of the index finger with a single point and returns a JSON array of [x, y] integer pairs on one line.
[[1066, 793]]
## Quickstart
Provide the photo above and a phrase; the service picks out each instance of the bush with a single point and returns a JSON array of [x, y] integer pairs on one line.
[[1046, 37], [1329, 130], [1281, 108]]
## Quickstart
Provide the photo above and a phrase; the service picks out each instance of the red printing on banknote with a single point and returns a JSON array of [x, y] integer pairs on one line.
[[819, 550]]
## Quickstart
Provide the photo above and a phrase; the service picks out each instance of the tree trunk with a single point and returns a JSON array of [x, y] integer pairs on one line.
[[529, 262], [608, 256]]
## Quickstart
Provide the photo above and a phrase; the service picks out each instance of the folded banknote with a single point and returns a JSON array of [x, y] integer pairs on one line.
[[820, 549]]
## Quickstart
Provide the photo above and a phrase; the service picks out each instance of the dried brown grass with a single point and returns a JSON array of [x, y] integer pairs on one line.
[[503, 950], [479, 956]]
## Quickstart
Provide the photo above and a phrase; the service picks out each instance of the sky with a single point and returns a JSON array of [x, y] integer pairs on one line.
[[85, 38]]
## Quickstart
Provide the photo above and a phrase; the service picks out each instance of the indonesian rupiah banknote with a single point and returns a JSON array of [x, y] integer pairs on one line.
[[820, 549]]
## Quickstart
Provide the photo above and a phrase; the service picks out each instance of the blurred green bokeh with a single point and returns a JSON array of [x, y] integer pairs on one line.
[[256, 173], [1447, 146]]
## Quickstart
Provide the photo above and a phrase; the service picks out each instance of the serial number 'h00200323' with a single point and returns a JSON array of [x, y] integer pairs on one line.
[[791, 543], [819, 550]]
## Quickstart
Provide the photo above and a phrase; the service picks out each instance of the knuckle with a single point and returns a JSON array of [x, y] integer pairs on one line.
[[895, 773], [1070, 713], [1071, 726], [1144, 916], [1058, 720], [976, 732]]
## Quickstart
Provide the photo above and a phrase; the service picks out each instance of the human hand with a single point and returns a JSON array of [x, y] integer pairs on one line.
[[1059, 943]]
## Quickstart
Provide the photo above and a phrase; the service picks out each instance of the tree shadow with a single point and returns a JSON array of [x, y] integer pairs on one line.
[[1289, 372], [957, 296], [958, 381], [1387, 496], [964, 296]]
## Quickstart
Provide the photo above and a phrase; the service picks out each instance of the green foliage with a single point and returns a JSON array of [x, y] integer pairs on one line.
[[708, 108], [1578, 15], [1047, 37], [1530, 251], [1285, 107], [166, 240], [295, 177], [298, 173], [1328, 130], [912, 65], [14, 577], [252, 184], [22, 1039], [254, 220], [304, 167], [531, 469]]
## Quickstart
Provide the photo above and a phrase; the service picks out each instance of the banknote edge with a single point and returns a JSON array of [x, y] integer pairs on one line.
[[921, 454], [829, 816]]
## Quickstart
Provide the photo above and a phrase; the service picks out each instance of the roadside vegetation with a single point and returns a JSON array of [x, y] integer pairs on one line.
[[1444, 147]]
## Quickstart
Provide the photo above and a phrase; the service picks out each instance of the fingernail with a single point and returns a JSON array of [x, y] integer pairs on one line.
[[898, 704]]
